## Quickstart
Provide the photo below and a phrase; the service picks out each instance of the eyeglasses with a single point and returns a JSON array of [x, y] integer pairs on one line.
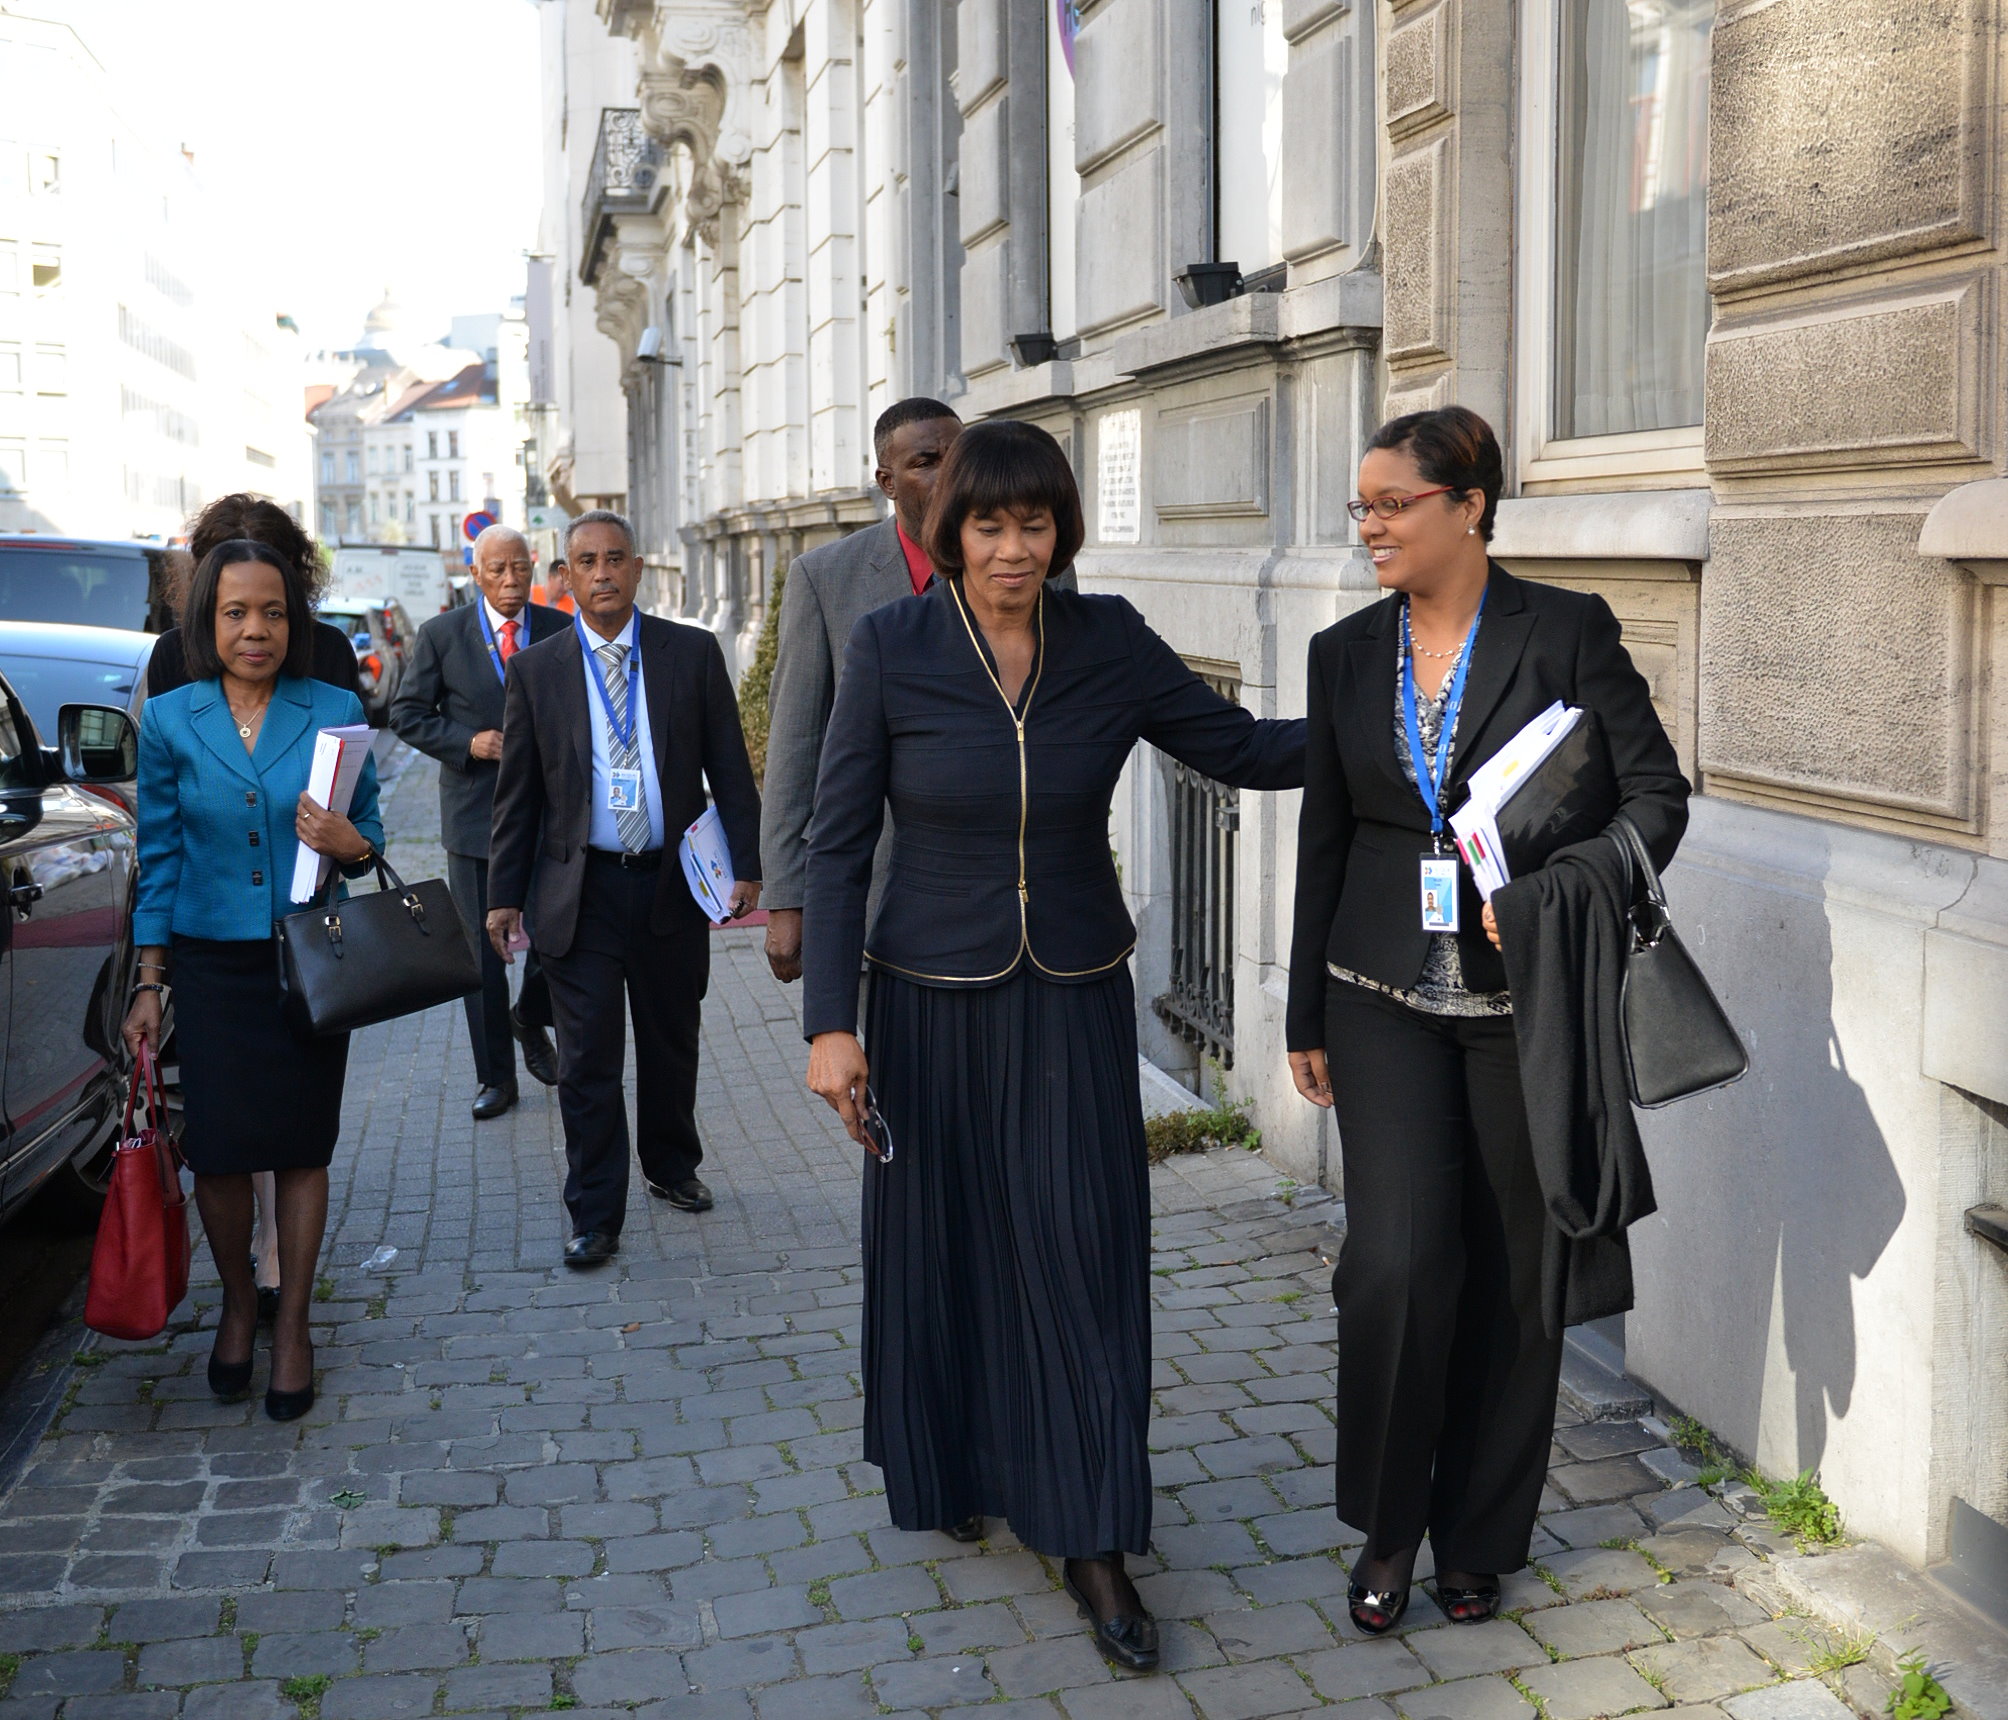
[[878, 1133], [1388, 506]]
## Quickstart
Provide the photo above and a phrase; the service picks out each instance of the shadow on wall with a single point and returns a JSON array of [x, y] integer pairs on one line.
[[1781, 1191]]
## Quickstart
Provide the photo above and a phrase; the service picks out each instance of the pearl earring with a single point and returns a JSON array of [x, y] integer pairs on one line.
[[1470, 531]]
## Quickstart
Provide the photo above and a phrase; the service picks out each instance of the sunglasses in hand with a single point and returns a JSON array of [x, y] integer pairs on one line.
[[878, 1134]]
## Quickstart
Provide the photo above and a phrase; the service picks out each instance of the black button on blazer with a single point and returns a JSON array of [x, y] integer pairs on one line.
[[1364, 826], [1000, 854]]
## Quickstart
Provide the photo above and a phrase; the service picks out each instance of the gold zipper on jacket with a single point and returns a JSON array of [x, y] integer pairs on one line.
[[1018, 725]]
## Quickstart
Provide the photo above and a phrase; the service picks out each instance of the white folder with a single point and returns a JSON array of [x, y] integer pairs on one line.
[[707, 865], [338, 762]]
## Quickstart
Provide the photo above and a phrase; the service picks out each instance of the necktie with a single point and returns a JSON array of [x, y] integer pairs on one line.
[[505, 641], [625, 755]]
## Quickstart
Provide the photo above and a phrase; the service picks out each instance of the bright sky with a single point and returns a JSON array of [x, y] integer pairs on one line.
[[370, 143]]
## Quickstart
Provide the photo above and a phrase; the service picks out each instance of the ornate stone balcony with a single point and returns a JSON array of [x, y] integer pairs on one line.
[[626, 169]]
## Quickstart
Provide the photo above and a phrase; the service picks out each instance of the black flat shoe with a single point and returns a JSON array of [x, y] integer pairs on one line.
[[1376, 1611], [966, 1532], [591, 1248], [289, 1406], [540, 1057], [1127, 1641], [1468, 1606], [493, 1101], [229, 1379]]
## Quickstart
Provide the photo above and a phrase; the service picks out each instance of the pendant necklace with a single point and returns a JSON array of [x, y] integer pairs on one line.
[[244, 728]]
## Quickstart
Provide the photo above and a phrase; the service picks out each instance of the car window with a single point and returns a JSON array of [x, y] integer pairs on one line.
[[46, 684], [76, 586]]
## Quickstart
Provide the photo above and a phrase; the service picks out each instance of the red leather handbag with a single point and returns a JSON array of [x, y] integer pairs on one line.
[[139, 1267]]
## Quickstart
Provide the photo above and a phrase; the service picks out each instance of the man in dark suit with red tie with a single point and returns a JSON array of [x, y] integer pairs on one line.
[[613, 728], [449, 705]]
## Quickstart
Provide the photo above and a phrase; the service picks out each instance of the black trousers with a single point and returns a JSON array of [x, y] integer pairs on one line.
[[615, 957], [488, 1008], [1447, 1375]]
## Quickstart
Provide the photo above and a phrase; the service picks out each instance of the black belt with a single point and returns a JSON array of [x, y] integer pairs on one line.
[[643, 860]]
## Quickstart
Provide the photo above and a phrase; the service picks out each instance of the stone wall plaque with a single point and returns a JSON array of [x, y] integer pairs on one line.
[[1317, 152], [1842, 133], [1882, 384], [1417, 326], [1212, 461], [1119, 244], [985, 188], [1418, 72], [1118, 476]]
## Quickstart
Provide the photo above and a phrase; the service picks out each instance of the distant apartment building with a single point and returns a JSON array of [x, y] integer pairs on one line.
[[139, 377]]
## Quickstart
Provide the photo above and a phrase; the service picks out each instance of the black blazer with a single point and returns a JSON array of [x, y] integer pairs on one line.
[[334, 662], [449, 694], [543, 794], [1364, 827], [1000, 852]]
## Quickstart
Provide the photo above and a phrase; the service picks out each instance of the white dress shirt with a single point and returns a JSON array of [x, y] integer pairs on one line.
[[606, 829]]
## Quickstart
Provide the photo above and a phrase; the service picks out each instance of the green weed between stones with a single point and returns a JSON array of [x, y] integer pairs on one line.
[[307, 1690], [1800, 1507], [1840, 1650], [9, 1665], [1917, 1696], [324, 1288], [1223, 1124], [1699, 1444]]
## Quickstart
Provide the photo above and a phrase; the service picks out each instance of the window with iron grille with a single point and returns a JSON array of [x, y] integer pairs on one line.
[[1205, 826]]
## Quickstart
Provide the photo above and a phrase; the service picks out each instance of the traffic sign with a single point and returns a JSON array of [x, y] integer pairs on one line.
[[475, 524]]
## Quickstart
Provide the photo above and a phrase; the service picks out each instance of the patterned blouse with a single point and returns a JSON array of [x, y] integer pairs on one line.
[[1441, 989]]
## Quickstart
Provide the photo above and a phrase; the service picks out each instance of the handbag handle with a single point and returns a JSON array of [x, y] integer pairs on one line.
[[144, 1070], [1638, 860]]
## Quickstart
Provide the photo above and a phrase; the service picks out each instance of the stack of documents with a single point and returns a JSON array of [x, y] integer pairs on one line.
[[707, 866], [331, 782], [1550, 785]]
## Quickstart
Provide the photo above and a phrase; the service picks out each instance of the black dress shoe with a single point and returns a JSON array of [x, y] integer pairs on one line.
[[493, 1101], [540, 1056], [1127, 1641], [592, 1248], [289, 1406], [966, 1533], [690, 1194], [1376, 1611], [229, 1379]]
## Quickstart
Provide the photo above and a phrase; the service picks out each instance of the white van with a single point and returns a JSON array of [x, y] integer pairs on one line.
[[371, 572]]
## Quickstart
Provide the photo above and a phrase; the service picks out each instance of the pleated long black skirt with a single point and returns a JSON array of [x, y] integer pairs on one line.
[[1007, 1262], [256, 1096]]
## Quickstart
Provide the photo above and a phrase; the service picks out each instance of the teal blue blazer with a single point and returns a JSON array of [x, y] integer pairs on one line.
[[216, 842]]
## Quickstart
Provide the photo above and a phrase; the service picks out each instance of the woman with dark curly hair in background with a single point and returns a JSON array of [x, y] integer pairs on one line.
[[260, 520]]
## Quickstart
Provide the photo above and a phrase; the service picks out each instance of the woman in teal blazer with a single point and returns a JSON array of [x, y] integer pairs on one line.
[[223, 809]]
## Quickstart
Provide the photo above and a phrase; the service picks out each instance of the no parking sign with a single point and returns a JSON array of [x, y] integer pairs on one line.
[[475, 524]]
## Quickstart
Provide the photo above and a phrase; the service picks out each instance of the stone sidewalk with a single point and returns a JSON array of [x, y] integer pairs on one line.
[[639, 1491]]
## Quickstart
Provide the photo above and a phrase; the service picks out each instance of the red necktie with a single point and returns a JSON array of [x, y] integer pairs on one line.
[[505, 644]]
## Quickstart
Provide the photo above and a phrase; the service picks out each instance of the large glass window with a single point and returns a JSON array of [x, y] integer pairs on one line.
[[1631, 300], [1250, 58]]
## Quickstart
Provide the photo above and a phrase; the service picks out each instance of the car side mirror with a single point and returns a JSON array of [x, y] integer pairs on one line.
[[96, 745]]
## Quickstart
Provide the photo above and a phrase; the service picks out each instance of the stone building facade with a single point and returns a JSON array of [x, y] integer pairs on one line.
[[1726, 277]]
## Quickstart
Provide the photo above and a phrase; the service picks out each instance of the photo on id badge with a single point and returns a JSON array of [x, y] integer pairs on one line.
[[1439, 893], [623, 790]]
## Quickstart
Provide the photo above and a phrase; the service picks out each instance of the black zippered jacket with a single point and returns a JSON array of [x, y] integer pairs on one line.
[[1000, 856]]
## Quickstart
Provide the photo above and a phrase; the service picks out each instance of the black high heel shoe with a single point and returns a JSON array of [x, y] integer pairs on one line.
[[1127, 1641], [229, 1380], [1376, 1611], [1469, 1606], [290, 1406]]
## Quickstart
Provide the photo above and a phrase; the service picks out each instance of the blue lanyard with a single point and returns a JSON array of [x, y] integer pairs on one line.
[[624, 732], [488, 638], [1430, 784]]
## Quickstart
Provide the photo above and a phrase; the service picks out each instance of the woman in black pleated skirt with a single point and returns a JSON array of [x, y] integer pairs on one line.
[[1006, 1203]]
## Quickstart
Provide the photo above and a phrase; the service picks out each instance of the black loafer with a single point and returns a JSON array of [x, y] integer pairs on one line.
[[690, 1194], [1127, 1641], [493, 1101], [592, 1248], [966, 1533], [540, 1056]]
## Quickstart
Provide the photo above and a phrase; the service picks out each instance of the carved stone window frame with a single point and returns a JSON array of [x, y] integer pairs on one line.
[[1543, 462]]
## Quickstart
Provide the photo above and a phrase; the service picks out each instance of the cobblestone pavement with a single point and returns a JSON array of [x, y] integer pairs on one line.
[[640, 1490]]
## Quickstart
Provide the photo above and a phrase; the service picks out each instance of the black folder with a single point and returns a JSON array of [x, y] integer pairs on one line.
[[1568, 797]]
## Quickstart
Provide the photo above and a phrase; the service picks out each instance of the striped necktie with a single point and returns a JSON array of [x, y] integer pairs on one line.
[[624, 755]]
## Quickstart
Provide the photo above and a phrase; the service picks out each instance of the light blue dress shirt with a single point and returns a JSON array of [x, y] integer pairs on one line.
[[606, 827]]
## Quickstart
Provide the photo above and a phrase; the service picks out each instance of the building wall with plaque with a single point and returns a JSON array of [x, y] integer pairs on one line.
[[1728, 280]]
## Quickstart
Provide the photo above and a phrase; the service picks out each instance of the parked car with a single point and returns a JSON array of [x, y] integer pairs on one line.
[[68, 863], [383, 637], [50, 665], [83, 582]]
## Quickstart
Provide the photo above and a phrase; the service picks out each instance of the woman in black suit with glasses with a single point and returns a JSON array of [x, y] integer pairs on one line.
[[1399, 1015]]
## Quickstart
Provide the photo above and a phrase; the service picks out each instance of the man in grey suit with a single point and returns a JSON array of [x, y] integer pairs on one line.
[[450, 706], [826, 591]]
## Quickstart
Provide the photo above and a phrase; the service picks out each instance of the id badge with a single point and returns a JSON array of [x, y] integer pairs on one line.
[[623, 790], [1439, 893]]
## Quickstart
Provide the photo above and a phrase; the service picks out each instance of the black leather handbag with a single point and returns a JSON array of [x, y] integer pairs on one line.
[[393, 951], [1678, 1041]]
